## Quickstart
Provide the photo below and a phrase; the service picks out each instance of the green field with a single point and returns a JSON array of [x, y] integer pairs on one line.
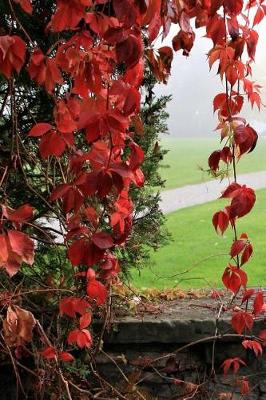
[[197, 248], [185, 156]]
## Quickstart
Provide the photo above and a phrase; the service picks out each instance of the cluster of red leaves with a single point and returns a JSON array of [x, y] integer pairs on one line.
[[91, 99], [233, 363], [233, 38], [242, 201], [102, 107], [12, 54], [16, 247]]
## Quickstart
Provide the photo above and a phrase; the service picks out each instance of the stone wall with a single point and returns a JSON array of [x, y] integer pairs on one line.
[[149, 355]]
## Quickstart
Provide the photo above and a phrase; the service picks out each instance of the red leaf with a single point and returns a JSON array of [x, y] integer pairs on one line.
[[66, 114], [12, 54], [247, 294], [64, 18], [60, 191], [40, 129], [255, 98], [242, 245], [245, 138], [21, 214], [231, 190], [49, 353], [260, 14], [184, 40], [82, 338], [226, 154], [184, 22], [90, 274], [97, 291], [247, 253], [25, 5], [252, 41], [243, 199], [53, 144], [253, 345], [161, 64], [237, 247], [219, 101], [153, 9], [83, 252], [220, 221], [233, 278], [258, 303], [85, 320], [103, 240], [242, 320], [233, 7], [44, 70], [216, 29], [214, 160], [77, 252], [22, 245], [73, 305], [244, 386], [125, 12], [153, 19], [129, 51], [134, 75], [3, 250], [232, 363], [65, 356], [85, 340]]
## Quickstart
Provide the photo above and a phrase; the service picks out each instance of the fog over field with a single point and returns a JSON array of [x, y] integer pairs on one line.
[[193, 88]]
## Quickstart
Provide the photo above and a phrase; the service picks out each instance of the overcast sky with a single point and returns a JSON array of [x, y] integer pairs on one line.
[[193, 87]]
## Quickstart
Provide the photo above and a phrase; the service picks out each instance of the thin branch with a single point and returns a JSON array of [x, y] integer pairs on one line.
[[5, 99], [20, 24]]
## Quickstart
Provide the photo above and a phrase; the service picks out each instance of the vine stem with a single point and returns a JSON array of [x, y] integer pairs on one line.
[[60, 373], [234, 162], [20, 24], [228, 97], [18, 379], [5, 99], [203, 340], [107, 315]]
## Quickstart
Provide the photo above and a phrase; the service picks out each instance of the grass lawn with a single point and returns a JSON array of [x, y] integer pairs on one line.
[[185, 156], [196, 245]]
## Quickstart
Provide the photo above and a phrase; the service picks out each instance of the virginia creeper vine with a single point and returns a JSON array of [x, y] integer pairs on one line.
[[91, 74]]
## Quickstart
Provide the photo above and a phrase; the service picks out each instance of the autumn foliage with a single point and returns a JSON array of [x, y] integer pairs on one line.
[[92, 73]]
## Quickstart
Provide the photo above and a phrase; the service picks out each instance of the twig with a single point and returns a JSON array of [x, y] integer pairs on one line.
[[40, 291], [18, 380], [108, 384], [5, 99], [121, 372], [107, 314], [215, 334], [204, 340], [20, 24], [49, 343]]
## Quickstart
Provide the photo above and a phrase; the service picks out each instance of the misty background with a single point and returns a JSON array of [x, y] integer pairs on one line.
[[193, 88]]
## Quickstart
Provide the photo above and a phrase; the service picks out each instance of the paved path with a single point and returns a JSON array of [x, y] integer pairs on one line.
[[191, 195]]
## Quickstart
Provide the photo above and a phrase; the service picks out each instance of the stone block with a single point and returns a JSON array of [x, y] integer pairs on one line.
[[262, 385]]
